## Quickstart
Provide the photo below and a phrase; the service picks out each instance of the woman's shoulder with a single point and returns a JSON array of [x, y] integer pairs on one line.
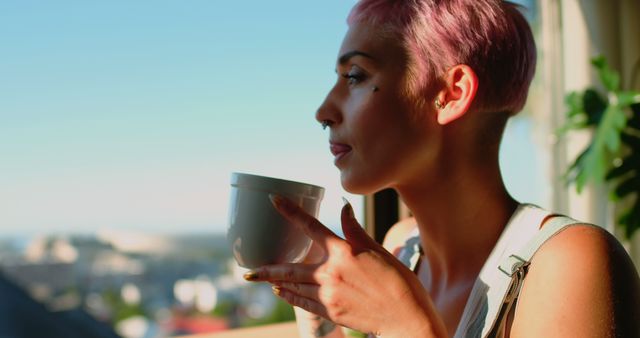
[[398, 234], [583, 281], [583, 247]]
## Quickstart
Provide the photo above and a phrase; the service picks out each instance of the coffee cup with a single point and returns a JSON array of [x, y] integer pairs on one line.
[[258, 234]]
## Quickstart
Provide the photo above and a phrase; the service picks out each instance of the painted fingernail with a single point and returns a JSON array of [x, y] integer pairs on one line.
[[276, 290], [280, 203], [349, 207], [250, 276], [276, 200]]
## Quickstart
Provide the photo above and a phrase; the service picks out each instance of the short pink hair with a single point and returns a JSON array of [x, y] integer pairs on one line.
[[490, 36]]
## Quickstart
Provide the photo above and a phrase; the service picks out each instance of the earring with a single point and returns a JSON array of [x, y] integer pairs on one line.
[[325, 124], [439, 104]]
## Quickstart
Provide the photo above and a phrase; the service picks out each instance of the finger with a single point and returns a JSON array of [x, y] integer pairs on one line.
[[291, 272], [301, 302], [353, 232], [305, 290], [311, 226]]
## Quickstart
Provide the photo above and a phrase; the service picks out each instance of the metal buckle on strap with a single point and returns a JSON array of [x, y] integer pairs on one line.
[[518, 267], [514, 264]]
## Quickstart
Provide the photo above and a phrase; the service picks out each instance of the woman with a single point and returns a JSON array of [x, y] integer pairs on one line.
[[424, 90]]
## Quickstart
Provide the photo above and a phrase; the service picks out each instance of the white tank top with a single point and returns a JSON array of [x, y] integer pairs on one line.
[[487, 295]]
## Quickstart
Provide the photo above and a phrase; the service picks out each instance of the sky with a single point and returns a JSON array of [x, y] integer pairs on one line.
[[132, 115]]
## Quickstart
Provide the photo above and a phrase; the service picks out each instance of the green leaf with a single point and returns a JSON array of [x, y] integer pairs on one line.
[[598, 167], [573, 101], [595, 161], [610, 79], [606, 140], [588, 166], [584, 109], [628, 98], [581, 180], [576, 167], [612, 141], [612, 127], [599, 62]]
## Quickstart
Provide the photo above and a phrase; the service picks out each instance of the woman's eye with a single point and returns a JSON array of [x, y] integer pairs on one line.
[[354, 76]]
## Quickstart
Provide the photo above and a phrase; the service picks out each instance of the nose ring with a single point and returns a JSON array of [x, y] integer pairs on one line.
[[325, 124]]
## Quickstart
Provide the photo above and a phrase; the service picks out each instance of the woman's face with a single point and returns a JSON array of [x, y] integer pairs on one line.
[[378, 136]]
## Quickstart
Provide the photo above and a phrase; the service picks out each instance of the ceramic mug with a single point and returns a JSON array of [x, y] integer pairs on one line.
[[258, 235]]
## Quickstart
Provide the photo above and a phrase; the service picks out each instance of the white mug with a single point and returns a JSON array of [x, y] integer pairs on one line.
[[257, 233]]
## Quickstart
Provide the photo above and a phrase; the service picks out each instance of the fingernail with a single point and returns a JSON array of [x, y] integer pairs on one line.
[[276, 290], [276, 200], [251, 276], [349, 207], [344, 201], [280, 203]]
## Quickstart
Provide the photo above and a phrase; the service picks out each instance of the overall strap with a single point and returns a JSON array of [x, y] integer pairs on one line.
[[515, 266]]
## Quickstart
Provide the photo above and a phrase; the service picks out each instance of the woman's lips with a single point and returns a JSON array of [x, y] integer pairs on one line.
[[339, 150]]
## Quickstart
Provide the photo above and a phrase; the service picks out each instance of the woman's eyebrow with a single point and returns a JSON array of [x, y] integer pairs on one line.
[[348, 55]]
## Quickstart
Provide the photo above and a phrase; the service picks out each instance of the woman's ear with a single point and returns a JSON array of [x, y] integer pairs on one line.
[[454, 100]]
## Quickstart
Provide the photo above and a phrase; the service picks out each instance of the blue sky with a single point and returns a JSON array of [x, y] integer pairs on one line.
[[133, 114]]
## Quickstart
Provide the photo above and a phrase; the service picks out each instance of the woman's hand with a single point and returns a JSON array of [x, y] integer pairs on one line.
[[356, 283]]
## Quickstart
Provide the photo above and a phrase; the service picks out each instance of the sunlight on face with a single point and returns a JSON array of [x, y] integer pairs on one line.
[[375, 137]]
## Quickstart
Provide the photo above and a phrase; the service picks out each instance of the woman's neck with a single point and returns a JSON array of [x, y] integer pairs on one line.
[[460, 217]]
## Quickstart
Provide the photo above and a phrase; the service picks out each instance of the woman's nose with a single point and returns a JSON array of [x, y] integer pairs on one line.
[[328, 114]]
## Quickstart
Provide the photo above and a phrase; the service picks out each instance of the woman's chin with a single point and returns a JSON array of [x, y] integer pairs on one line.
[[355, 184]]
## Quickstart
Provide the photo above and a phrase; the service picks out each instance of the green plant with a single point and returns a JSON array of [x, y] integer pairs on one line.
[[613, 156]]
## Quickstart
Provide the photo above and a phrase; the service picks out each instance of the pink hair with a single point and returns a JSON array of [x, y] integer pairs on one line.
[[490, 36]]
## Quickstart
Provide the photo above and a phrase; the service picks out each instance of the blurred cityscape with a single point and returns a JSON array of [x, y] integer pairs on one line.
[[128, 285]]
